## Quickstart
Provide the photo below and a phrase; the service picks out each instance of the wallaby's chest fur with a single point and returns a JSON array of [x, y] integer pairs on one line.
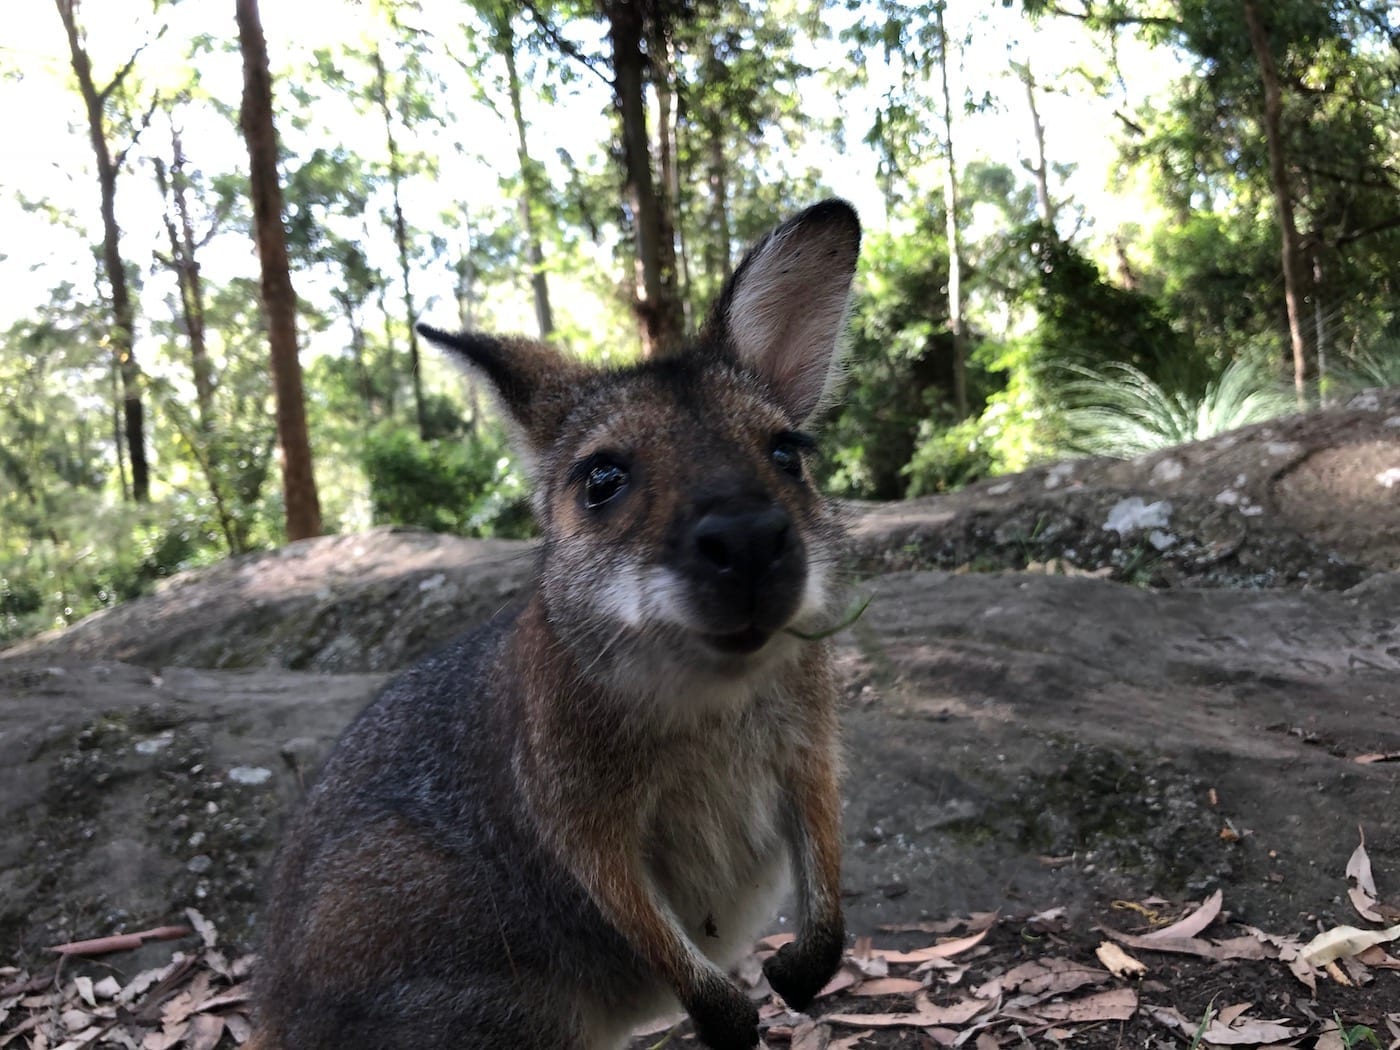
[[585, 810], [703, 795]]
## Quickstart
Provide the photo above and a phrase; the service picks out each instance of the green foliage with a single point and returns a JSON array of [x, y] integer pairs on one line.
[[1085, 320], [1357, 1036], [108, 552], [897, 434], [1375, 366], [1206, 1018], [1012, 431], [949, 457], [1215, 276], [1119, 411], [899, 366], [469, 486]]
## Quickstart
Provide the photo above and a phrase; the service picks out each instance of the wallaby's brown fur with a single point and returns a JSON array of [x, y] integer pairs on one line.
[[583, 812]]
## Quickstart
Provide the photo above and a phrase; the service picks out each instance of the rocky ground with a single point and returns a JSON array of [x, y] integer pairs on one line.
[[1108, 688]]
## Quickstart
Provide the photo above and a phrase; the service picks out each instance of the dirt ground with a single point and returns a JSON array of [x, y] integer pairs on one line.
[[1135, 974], [1178, 998], [1095, 696]]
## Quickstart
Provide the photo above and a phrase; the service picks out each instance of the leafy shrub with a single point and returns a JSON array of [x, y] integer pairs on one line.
[[469, 486], [898, 435], [109, 552], [1085, 320], [897, 405], [1014, 429]]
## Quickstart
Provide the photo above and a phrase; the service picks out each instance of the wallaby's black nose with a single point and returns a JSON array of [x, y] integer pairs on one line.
[[741, 545], [744, 564]]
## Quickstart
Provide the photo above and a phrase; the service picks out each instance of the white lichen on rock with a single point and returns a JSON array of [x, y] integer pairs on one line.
[[1135, 514]]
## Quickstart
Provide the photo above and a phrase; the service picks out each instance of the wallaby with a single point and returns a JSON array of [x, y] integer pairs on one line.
[[583, 812]]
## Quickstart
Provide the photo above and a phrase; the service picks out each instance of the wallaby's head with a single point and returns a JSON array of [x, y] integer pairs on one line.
[[683, 537]]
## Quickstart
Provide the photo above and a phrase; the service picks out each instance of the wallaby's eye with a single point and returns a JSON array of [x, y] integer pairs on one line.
[[787, 452], [602, 481], [787, 459]]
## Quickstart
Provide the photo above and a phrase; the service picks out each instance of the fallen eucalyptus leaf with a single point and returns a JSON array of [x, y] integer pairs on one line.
[[1342, 941], [1362, 889], [1117, 961]]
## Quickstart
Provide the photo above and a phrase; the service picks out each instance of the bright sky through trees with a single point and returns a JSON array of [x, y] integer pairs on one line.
[[49, 159]]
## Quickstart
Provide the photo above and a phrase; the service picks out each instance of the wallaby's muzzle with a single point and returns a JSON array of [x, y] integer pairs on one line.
[[745, 566]]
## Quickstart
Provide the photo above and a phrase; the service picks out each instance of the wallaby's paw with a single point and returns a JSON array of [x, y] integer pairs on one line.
[[802, 968], [725, 1018]]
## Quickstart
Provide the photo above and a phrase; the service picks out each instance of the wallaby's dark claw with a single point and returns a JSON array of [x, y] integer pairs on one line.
[[725, 1018], [801, 969]]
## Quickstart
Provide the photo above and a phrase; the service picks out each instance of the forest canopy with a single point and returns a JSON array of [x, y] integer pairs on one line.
[[1092, 226]]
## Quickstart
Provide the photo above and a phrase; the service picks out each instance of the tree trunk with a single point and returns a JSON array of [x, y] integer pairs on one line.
[[465, 288], [718, 177], [357, 353], [717, 255], [659, 52], [1293, 290], [122, 334], [682, 174], [303, 506], [950, 205], [1319, 328], [179, 228], [118, 440], [466, 317], [529, 179], [656, 302], [351, 309], [235, 538], [401, 240], [1041, 170], [390, 391]]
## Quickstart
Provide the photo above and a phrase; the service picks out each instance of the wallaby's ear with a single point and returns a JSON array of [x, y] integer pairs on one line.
[[529, 378], [783, 313]]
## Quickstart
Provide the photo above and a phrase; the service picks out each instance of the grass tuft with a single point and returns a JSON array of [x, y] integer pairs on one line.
[[1121, 412]]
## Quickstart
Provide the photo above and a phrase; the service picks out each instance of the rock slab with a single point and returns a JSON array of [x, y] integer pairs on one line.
[[1012, 739]]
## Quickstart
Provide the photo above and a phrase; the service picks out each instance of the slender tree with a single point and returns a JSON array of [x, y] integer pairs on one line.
[[183, 261], [737, 120], [196, 429], [530, 176], [1293, 279], [303, 507], [950, 206], [658, 304], [532, 195], [415, 364], [661, 64], [718, 257], [97, 102], [1041, 166]]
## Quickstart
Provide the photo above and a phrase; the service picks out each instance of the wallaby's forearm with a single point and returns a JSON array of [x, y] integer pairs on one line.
[[629, 901], [817, 845], [800, 969]]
